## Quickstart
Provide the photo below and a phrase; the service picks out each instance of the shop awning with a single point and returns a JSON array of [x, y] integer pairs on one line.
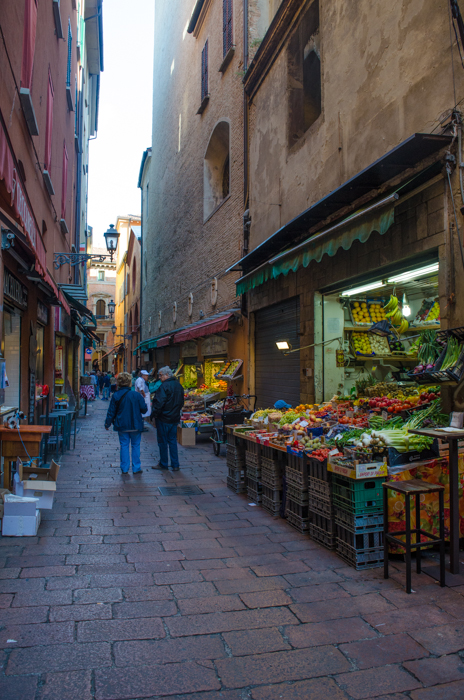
[[357, 227], [410, 153], [83, 310], [113, 351], [216, 324], [163, 342]]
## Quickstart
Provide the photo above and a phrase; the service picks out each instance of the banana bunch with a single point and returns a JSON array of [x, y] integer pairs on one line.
[[403, 326], [391, 306], [393, 312]]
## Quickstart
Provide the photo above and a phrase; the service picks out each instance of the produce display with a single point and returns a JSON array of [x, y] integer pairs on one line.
[[367, 312], [428, 312], [394, 314]]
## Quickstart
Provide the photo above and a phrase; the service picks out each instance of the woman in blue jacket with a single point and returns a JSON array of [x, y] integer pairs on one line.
[[125, 414]]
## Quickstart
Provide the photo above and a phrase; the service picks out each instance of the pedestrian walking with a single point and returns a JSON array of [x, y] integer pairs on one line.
[[106, 386], [100, 383], [125, 414], [142, 387], [166, 410], [113, 383]]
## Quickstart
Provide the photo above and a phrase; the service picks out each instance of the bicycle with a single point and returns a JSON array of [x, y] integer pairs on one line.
[[233, 417]]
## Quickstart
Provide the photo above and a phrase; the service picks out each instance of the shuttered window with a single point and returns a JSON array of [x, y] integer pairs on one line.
[[68, 68], [29, 31], [64, 181], [204, 72], [277, 376], [49, 124], [226, 25]]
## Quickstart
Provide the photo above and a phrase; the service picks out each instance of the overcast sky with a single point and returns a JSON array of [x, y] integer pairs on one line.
[[124, 125]]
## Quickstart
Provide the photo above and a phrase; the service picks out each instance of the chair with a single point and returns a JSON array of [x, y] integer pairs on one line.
[[414, 488]]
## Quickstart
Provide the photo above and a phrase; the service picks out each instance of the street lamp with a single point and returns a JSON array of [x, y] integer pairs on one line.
[[73, 259], [111, 307], [111, 238], [113, 329]]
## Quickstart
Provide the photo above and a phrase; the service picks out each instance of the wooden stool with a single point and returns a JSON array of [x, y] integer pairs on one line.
[[414, 487]]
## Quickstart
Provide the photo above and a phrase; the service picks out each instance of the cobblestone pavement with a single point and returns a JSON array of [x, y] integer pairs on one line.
[[127, 594]]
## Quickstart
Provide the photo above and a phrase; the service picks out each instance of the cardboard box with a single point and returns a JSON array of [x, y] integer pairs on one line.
[[39, 483], [361, 471], [19, 505], [186, 436], [20, 525]]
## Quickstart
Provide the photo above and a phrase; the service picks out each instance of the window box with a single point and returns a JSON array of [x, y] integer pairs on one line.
[[57, 18], [64, 226], [28, 111], [204, 104], [227, 59], [69, 98], [48, 182]]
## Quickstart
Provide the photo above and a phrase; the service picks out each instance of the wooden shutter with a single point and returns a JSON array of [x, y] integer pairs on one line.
[[64, 182], [204, 72], [226, 25], [49, 124], [29, 32], [68, 67]]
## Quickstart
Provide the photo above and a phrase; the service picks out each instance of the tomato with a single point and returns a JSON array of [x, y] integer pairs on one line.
[[390, 409]]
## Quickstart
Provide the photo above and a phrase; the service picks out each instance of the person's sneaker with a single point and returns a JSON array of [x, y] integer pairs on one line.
[[159, 466], [175, 469]]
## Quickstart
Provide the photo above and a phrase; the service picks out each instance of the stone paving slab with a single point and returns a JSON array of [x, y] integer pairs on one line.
[[126, 594]]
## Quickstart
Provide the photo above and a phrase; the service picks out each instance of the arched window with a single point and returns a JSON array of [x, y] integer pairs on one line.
[[101, 308], [216, 169]]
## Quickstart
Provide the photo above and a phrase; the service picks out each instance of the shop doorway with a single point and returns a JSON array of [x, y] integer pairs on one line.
[[350, 312], [277, 376], [11, 341]]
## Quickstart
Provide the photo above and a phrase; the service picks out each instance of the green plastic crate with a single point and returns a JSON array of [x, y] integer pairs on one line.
[[357, 495]]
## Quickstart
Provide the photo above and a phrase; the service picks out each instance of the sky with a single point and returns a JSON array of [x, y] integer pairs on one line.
[[124, 124]]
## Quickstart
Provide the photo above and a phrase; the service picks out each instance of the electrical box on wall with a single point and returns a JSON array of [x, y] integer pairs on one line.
[[308, 371]]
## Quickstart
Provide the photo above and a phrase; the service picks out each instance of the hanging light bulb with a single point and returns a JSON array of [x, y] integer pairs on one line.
[[406, 308]]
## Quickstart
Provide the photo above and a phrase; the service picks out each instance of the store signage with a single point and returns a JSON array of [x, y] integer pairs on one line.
[[59, 358], [189, 349], [13, 289], [88, 351], [62, 321], [42, 313], [214, 345]]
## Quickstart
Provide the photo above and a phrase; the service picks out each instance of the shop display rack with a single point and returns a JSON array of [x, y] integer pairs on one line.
[[297, 494], [320, 506], [297, 515]]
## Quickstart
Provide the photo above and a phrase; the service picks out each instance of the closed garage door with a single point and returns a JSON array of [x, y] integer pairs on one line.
[[277, 376]]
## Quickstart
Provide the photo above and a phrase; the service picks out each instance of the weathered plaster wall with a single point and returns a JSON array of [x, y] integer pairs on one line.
[[386, 73]]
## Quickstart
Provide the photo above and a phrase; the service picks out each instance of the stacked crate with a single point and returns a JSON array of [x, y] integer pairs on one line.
[[253, 471], [272, 467], [359, 518], [321, 511], [297, 497]]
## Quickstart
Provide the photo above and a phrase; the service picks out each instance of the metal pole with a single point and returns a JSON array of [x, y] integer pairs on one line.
[[454, 505]]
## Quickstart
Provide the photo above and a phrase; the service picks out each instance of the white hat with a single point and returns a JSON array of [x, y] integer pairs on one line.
[[144, 371]]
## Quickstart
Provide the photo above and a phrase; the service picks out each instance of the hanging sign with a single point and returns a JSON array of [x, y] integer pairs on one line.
[[59, 358], [189, 349], [214, 345], [13, 289]]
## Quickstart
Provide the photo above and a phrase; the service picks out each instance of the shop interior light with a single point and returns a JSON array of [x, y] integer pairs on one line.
[[283, 345], [364, 288], [413, 274], [406, 309]]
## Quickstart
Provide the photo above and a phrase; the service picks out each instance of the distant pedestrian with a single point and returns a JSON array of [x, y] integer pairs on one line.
[[101, 380], [142, 387], [113, 383], [106, 386], [125, 414], [166, 410], [94, 382]]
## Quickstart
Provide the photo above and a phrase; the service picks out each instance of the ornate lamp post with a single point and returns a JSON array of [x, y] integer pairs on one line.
[[73, 259]]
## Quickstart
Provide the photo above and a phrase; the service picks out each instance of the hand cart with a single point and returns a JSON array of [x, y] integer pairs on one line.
[[233, 417]]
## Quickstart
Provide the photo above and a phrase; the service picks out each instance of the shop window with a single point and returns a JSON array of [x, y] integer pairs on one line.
[[49, 124], [11, 342], [68, 65], [100, 308], [304, 75], [101, 275], [216, 179]]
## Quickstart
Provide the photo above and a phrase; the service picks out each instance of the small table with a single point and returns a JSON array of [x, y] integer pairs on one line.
[[452, 439], [15, 443]]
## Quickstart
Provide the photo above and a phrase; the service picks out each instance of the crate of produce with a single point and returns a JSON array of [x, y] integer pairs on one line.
[[297, 478], [271, 478], [357, 496], [318, 469], [322, 506], [297, 494], [272, 499], [360, 558], [395, 457], [372, 539], [358, 523], [254, 489], [297, 515]]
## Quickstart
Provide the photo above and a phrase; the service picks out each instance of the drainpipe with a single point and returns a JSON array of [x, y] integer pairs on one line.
[[245, 105]]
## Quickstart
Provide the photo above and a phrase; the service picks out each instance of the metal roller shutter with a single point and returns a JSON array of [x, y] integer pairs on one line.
[[277, 376]]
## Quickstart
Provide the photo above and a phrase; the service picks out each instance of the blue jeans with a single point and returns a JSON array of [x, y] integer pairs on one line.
[[124, 440], [167, 437], [106, 392]]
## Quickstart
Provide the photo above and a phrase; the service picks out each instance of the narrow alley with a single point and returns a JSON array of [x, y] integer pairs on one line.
[[127, 593]]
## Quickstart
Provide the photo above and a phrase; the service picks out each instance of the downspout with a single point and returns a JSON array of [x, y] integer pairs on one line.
[[245, 105]]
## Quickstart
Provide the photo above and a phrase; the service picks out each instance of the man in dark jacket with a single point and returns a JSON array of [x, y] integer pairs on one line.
[[166, 409], [125, 413]]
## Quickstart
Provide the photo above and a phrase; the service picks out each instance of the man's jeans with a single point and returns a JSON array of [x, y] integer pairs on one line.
[[134, 439], [106, 392], [167, 437]]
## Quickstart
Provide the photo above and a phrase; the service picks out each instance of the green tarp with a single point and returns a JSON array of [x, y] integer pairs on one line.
[[316, 247]]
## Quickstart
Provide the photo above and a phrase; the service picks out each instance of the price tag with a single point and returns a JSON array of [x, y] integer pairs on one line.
[[333, 452], [384, 415], [304, 423]]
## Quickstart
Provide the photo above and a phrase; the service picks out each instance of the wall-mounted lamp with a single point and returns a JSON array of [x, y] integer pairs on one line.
[[283, 345]]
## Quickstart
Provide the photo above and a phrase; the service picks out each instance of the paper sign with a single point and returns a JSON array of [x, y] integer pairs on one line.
[[384, 415]]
